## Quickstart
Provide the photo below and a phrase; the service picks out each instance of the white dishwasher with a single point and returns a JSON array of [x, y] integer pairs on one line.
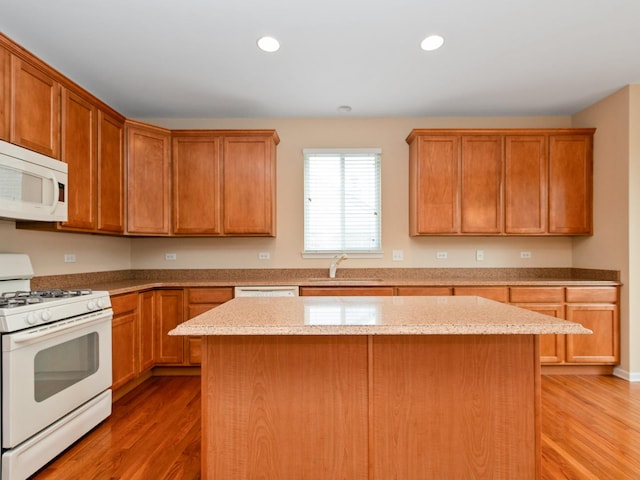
[[266, 291]]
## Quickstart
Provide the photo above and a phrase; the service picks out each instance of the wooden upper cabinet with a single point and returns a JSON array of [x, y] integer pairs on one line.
[[481, 185], [5, 93], [434, 166], [196, 169], [148, 179], [92, 145], [525, 184], [110, 168], [79, 131], [249, 184], [35, 109], [570, 184], [500, 181]]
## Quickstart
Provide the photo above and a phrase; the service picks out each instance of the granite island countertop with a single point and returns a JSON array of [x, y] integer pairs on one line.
[[464, 315]]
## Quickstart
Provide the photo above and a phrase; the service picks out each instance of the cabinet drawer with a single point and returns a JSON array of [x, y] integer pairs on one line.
[[346, 291], [424, 291], [592, 294], [124, 303], [537, 294], [499, 294], [210, 295]]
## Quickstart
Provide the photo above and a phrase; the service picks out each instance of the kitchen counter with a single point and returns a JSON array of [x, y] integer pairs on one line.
[[125, 281], [372, 316], [371, 388]]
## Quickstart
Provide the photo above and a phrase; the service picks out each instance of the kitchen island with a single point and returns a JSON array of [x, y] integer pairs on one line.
[[371, 388]]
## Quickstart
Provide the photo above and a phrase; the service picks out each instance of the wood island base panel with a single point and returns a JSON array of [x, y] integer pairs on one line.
[[338, 402]]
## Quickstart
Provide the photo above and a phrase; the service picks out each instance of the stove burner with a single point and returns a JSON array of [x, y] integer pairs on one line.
[[19, 298]]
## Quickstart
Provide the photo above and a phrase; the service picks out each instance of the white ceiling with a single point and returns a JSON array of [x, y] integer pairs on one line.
[[198, 58]]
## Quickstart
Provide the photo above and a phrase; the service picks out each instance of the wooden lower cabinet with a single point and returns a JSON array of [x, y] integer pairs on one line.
[[169, 306], [124, 338], [142, 320], [200, 300], [146, 314], [596, 308]]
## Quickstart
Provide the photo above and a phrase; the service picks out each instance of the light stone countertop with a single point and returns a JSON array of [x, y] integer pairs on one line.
[[447, 315]]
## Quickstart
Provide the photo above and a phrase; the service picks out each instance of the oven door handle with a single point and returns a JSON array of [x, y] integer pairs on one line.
[[64, 326]]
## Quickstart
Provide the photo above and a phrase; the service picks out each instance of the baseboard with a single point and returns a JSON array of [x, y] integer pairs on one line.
[[628, 376], [576, 369]]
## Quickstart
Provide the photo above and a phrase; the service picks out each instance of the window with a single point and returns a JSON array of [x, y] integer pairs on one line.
[[342, 201]]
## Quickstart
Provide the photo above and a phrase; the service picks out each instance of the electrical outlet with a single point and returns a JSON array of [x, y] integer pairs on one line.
[[397, 255], [69, 258], [441, 255], [264, 256], [525, 254], [170, 256], [479, 255]]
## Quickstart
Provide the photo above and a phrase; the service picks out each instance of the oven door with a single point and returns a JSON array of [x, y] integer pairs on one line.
[[51, 370]]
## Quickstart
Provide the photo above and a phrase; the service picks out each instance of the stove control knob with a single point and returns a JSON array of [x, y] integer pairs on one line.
[[91, 305], [101, 303], [46, 316], [32, 318]]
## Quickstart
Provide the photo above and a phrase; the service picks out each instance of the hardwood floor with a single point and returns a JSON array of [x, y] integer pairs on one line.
[[590, 431], [152, 434]]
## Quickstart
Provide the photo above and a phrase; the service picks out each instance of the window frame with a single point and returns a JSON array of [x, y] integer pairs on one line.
[[330, 253]]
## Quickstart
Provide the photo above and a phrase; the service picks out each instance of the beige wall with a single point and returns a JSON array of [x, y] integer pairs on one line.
[[616, 208], [94, 253]]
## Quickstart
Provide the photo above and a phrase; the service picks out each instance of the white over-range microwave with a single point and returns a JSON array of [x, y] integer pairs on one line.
[[32, 186]]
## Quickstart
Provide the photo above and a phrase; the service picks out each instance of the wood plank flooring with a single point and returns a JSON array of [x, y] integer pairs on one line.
[[590, 430]]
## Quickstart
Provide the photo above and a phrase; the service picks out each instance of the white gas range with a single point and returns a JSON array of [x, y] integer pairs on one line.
[[56, 367]]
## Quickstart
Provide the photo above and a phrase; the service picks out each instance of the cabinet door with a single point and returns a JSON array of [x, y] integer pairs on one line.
[[146, 313], [525, 184], [570, 184], [481, 184], [110, 207], [35, 109], [79, 119], [124, 339], [249, 181], [148, 180], [434, 165], [604, 344], [5, 93], [168, 315], [196, 185]]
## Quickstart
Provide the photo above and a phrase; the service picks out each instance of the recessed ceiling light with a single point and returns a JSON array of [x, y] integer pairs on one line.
[[344, 108], [268, 44], [432, 42]]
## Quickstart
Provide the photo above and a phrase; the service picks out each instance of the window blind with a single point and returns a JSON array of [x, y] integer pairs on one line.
[[342, 201]]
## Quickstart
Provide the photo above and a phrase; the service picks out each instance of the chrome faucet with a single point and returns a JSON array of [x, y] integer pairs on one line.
[[334, 264]]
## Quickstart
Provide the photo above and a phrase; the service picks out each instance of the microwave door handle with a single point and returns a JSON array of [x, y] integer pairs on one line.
[[54, 191]]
